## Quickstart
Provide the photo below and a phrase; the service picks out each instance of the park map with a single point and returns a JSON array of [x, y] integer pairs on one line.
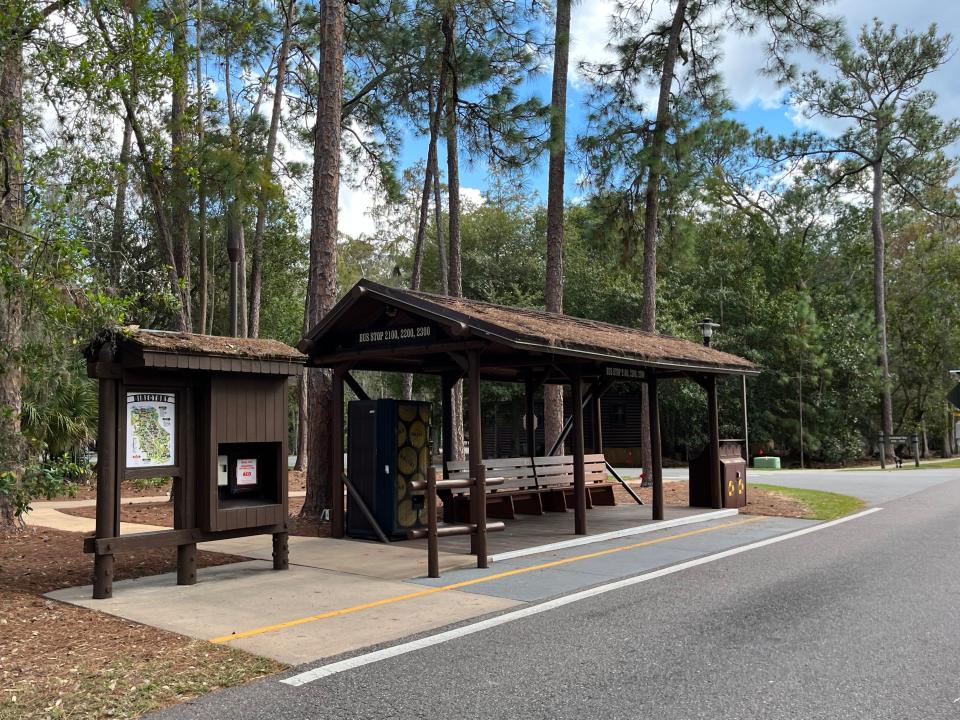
[[149, 431]]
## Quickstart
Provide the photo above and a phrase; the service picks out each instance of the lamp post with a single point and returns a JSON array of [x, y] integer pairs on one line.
[[233, 254], [707, 326]]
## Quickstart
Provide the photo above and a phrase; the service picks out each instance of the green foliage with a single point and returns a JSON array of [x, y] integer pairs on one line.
[[61, 415], [55, 477]]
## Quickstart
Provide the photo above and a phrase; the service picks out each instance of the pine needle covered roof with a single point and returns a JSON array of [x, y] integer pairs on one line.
[[136, 346], [525, 329]]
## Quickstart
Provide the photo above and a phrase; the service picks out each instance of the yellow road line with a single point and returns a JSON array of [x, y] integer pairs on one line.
[[475, 581]]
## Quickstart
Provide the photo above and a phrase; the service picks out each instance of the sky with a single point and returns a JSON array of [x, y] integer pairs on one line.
[[758, 100]]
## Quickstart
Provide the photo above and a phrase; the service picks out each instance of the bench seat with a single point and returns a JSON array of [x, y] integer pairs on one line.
[[532, 486]]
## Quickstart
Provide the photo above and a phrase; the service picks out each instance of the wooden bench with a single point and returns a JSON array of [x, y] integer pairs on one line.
[[532, 486]]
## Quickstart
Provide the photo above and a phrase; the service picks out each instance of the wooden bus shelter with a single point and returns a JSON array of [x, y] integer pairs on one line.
[[380, 328]]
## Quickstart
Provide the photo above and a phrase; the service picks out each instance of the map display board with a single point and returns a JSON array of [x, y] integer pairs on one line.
[[151, 423]]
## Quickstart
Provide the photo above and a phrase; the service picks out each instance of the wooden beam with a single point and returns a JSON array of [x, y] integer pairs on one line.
[[531, 416], [355, 386], [414, 351], [713, 428], [108, 429], [579, 477], [597, 423], [656, 458], [136, 542], [478, 500], [336, 452]]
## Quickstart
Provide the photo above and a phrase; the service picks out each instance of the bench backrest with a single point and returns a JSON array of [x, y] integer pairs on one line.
[[516, 472], [525, 472], [558, 469]]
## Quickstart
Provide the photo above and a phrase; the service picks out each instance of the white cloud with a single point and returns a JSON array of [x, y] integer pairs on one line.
[[471, 197], [355, 214], [589, 35]]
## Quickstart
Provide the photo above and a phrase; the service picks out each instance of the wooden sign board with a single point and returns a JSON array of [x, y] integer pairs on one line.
[[400, 335]]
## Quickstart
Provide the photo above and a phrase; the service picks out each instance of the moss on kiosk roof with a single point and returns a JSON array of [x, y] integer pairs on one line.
[[194, 344]]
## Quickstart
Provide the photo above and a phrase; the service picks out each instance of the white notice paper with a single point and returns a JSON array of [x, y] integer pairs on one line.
[[247, 471]]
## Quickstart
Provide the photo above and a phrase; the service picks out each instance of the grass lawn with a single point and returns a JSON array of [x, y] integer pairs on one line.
[[955, 463], [820, 505]]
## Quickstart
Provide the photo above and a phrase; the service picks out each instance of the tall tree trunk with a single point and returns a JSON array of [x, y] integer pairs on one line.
[[236, 207], [154, 185], [256, 255], [179, 153], [303, 425], [553, 394], [204, 279], [437, 213], [453, 201], [652, 204], [120, 205], [424, 215], [12, 217], [322, 280], [880, 305]]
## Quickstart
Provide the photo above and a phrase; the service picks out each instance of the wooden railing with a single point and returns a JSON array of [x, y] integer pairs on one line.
[[477, 486]]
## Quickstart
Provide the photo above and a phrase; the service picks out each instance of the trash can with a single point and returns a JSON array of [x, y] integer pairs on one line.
[[733, 477]]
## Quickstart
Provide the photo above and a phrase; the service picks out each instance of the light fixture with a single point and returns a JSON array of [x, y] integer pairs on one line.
[[707, 326]]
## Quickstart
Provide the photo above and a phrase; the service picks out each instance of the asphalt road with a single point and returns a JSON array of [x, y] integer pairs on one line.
[[858, 620]]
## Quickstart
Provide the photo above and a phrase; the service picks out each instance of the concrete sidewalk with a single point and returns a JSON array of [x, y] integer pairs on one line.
[[344, 595]]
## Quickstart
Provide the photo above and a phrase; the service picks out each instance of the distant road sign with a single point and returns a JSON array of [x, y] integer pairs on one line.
[[954, 396], [897, 439]]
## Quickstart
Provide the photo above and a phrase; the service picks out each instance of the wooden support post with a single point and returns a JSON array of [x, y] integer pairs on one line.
[[336, 452], [579, 479], [433, 548], [187, 564], [531, 415], [746, 434], [478, 501], [713, 422], [281, 551], [596, 421], [184, 494], [446, 429], [746, 424], [107, 474], [480, 488], [656, 458]]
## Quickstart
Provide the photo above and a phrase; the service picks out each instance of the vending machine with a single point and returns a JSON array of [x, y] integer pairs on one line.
[[388, 444]]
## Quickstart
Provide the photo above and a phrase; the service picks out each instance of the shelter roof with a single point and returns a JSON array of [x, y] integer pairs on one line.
[[512, 331]]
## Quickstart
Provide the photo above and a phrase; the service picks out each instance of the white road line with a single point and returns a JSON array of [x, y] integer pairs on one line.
[[425, 642], [614, 534]]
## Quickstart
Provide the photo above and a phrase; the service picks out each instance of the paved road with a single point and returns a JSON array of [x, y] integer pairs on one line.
[[858, 620], [873, 486]]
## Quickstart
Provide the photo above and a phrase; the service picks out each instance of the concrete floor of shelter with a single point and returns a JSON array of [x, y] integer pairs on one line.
[[341, 595], [532, 530]]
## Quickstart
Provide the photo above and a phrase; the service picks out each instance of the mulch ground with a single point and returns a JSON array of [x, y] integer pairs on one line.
[[759, 501], [62, 661], [161, 513]]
